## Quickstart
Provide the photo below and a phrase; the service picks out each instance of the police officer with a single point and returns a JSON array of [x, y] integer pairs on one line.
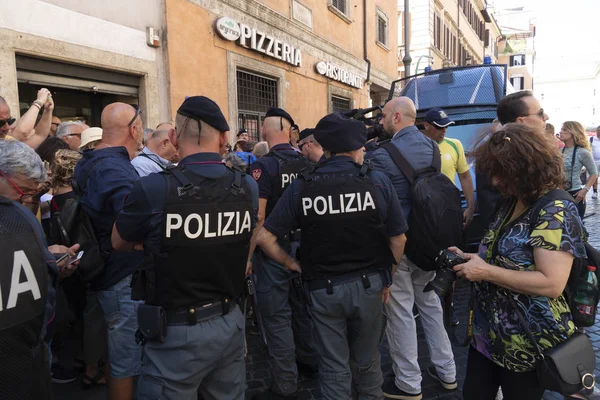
[[28, 277], [309, 147], [352, 232], [195, 222], [279, 308]]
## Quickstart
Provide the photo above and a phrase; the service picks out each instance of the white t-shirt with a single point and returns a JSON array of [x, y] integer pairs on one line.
[[596, 149], [46, 197]]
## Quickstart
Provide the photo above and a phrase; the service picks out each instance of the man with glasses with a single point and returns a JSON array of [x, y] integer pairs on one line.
[[54, 125], [70, 133], [25, 129], [28, 277], [309, 147], [108, 176]]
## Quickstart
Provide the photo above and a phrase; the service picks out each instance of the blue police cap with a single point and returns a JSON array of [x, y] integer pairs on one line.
[[305, 133], [204, 109], [278, 112], [438, 117], [339, 134]]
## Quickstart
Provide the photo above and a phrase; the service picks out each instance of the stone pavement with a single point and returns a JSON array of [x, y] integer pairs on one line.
[[258, 371]]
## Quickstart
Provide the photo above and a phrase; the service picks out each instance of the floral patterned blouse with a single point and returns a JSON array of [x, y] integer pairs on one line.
[[498, 334]]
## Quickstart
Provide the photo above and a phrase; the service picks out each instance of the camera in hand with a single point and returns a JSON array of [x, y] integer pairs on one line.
[[445, 275]]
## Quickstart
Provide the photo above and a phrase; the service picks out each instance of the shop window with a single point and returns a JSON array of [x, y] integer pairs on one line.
[[340, 104], [382, 27], [255, 95]]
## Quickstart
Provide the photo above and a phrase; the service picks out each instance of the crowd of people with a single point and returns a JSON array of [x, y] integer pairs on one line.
[[307, 222]]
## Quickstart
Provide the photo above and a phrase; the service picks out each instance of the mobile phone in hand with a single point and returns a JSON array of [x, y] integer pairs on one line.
[[60, 257], [75, 259]]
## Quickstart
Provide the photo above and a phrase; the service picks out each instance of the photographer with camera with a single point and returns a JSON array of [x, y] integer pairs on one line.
[[522, 267]]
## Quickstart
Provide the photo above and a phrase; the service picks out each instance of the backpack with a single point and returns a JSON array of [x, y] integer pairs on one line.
[[436, 218], [579, 270], [72, 225]]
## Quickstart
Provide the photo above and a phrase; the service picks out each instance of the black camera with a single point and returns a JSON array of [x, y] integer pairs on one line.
[[445, 275]]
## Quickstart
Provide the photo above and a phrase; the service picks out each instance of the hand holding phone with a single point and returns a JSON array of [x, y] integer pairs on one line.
[[77, 258]]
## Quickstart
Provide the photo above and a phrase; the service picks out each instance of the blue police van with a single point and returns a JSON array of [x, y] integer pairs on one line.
[[470, 96]]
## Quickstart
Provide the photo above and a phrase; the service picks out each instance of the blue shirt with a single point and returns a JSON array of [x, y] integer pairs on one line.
[[109, 183], [418, 151], [248, 158], [286, 215], [267, 167], [148, 162], [143, 217]]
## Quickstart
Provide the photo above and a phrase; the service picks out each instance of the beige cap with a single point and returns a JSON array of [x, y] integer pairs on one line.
[[90, 135]]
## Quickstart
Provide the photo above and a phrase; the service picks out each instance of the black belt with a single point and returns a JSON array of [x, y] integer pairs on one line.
[[329, 283], [193, 316]]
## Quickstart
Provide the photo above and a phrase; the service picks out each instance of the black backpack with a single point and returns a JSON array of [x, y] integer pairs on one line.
[[72, 225], [436, 218], [579, 270]]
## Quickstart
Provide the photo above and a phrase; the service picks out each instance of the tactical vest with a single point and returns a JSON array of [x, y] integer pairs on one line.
[[342, 230], [205, 240], [24, 368], [289, 168]]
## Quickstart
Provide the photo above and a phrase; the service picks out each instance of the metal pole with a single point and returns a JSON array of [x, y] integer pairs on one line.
[[406, 59], [419, 61]]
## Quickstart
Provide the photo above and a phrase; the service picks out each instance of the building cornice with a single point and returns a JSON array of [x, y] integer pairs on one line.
[[298, 36]]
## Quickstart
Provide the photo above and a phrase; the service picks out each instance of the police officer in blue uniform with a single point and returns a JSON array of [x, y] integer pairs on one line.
[[352, 233], [287, 327], [195, 222], [309, 147]]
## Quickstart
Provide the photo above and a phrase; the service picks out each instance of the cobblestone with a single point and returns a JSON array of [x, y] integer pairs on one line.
[[258, 371]]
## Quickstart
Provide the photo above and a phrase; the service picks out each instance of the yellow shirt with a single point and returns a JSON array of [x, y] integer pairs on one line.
[[453, 158]]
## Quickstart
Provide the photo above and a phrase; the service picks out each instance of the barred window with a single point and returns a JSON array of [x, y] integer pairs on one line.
[[340, 104], [382, 27], [255, 95]]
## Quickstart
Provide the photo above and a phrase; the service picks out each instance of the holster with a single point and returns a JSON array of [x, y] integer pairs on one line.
[[301, 290], [386, 277], [152, 322]]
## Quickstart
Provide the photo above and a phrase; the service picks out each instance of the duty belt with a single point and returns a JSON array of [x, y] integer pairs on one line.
[[329, 283], [193, 316]]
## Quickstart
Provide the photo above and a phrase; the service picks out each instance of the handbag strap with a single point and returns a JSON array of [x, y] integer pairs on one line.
[[572, 162]]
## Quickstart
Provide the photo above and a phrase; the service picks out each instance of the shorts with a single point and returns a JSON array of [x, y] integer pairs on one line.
[[120, 314]]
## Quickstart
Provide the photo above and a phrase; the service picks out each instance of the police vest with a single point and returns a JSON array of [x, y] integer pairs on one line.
[[205, 239], [24, 368], [342, 230], [290, 167]]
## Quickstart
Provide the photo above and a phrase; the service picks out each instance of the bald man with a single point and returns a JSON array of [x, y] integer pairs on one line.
[[106, 176], [409, 280], [278, 307]]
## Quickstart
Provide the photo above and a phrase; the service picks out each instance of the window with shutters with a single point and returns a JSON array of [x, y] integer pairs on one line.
[[517, 82], [255, 95], [340, 104], [437, 31], [382, 28], [341, 8], [517, 60]]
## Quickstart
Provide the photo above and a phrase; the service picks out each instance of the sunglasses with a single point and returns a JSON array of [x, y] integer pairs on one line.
[[9, 121], [300, 146], [138, 111], [25, 197], [539, 113]]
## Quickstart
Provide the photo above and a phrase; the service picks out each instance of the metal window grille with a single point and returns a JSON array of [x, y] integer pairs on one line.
[[381, 30], [340, 5], [340, 104], [255, 95]]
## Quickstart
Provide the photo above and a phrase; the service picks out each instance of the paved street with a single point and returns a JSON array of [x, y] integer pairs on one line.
[[258, 365]]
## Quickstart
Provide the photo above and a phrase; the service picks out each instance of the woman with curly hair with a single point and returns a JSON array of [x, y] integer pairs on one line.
[[524, 261], [577, 154]]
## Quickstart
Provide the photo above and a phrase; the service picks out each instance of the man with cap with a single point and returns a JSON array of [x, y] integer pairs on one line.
[[278, 306], [436, 123], [243, 134], [194, 222], [294, 137], [309, 147], [352, 232]]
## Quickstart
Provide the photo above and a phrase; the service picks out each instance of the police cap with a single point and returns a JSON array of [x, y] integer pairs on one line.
[[243, 130], [339, 134], [278, 112], [305, 133], [204, 109]]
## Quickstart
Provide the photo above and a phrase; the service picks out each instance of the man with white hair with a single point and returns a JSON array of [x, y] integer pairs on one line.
[[28, 277], [70, 133], [158, 154]]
